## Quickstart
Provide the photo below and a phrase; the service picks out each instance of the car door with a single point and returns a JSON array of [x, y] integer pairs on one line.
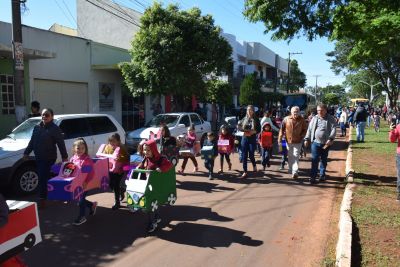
[[198, 125], [185, 121], [73, 128], [101, 129]]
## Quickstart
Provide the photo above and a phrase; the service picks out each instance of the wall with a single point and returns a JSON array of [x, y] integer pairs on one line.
[[115, 31]]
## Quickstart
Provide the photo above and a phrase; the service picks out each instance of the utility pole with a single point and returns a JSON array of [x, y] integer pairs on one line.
[[316, 86], [288, 78], [18, 56]]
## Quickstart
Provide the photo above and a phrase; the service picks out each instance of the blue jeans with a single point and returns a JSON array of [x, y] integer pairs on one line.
[[360, 131], [398, 172], [266, 155], [249, 145], [83, 204], [318, 154], [43, 168], [209, 164]]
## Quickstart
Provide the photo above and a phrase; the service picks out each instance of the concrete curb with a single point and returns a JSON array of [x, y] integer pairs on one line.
[[343, 247]]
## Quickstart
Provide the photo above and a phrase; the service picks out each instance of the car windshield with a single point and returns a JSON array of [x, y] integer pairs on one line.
[[24, 130], [169, 120]]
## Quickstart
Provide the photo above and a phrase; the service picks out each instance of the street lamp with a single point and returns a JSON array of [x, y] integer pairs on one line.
[[372, 88], [288, 78]]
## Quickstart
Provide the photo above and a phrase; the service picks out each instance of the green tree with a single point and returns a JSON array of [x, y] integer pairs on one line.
[[331, 99], [218, 92], [358, 89], [173, 51], [250, 91], [297, 77]]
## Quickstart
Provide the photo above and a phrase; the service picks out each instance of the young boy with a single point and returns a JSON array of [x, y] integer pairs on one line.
[[283, 151], [209, 160], [266, 142]]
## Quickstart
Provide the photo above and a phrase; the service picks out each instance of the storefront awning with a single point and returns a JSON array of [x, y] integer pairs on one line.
[[29, 54]]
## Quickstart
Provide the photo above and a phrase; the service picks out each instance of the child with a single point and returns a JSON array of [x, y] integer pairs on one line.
[[266, 140], [209, 162], [80, 159], [377, 121], [116, 174], [225, 135], [154, 161], [189, 142], [283, 151]]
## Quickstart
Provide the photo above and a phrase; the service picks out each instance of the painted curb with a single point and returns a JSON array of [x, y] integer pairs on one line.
[[343, 247]]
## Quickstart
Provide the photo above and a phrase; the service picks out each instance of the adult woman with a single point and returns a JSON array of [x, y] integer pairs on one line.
[[166, 139], [343, 121], [45, 136], [250, 125]]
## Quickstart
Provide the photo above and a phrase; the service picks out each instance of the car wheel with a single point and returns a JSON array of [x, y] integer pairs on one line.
[[29, 240], [174, 161], [25, 180]]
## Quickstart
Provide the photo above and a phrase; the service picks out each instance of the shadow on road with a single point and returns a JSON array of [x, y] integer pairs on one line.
[[201, 186]]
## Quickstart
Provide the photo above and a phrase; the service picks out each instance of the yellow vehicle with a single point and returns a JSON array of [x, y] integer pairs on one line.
[[355, 101]]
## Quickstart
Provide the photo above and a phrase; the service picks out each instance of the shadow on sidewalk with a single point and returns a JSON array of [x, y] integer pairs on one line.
[[207, 187]]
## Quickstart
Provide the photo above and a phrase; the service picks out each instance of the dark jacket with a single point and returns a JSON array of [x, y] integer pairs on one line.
[[43, 142], [361, 114], [3, 211]]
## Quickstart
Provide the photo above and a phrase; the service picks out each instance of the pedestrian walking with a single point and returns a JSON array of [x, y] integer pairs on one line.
[[343, 122], [82, 159], [209, 161], [360, 119], [266, 140], [294, 128], [45, 137], [394, 136], [189, 140], [224, 151], [321, 134], [377, 122], [250, 125]]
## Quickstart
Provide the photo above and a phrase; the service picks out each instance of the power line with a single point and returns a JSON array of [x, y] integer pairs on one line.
[[62, 10], [118, 10], [77, 26]]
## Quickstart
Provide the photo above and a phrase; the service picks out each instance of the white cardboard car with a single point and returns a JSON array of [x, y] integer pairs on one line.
[[177, 124], [21, 174]]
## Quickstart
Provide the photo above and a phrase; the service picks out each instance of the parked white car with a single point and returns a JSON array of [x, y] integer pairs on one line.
[[177, 124], [21, 174]]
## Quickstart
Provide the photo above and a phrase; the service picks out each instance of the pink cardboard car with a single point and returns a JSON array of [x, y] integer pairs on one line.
[[68, 185]]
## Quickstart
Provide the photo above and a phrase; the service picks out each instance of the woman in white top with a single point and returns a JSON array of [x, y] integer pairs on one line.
[[343, 121]]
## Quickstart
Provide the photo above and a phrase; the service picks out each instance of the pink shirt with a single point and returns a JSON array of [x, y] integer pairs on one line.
[[394, 137], [81, 161]]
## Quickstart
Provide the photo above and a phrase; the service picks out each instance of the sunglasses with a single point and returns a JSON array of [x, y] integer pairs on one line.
[[46, 115]]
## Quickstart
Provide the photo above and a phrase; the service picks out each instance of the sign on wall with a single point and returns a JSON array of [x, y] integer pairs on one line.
[[106, 96]]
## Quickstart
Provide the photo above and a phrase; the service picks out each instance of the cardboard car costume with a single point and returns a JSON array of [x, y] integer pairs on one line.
[[22, 230], [69, 184], [147, 189]]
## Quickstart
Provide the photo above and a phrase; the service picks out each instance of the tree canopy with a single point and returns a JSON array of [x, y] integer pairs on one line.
[[297, 77], [173, 51], [331, 99], [218, 92], [250, 91]]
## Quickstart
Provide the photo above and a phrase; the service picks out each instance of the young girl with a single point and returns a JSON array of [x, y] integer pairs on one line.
[[189, 142], [225, 135], [377, 121], [117, 173], [266, 141], [80, 159], [154, 161]]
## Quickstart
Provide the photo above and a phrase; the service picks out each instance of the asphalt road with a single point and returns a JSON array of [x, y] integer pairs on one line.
[[268, 219]]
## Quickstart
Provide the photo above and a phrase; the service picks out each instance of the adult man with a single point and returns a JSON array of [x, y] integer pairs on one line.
[[35, 109], [294, 128], [321, 133], [360, 119]]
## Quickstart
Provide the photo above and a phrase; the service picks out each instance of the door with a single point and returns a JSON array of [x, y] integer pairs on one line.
[[62, 97]]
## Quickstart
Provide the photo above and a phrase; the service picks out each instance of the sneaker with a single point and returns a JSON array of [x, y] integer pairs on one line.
[[93, 210], [244, 175], [312, 181], [210, 177], [221, 171], [79, 221], [281, 168], [295, 175], [229, 166], [180, 171], [263, 167], [122, 196], [152, 227], [268, 165], [322, 178], [116, 206], [196, 169]]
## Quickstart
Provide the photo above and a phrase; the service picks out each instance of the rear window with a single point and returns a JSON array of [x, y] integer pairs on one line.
[[73, 128], [101, 125]]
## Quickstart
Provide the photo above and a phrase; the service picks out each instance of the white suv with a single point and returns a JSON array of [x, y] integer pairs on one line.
[[177, 124], [21, 174]]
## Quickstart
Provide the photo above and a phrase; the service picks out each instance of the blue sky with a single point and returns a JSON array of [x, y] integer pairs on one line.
[[227, 14]]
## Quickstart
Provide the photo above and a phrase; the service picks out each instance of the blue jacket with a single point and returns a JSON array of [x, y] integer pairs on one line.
[[43, 142]]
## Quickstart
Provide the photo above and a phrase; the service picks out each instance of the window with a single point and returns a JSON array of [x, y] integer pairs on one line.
[[7, 94], [101, 125], [185, 120], [195, 119], [74, 128]]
